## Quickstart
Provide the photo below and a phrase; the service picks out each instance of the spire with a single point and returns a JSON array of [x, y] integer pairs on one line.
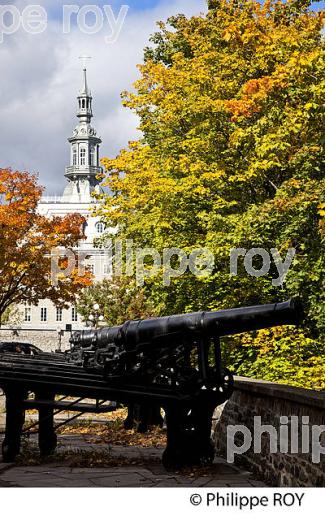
[[85, 91], [85, 101]]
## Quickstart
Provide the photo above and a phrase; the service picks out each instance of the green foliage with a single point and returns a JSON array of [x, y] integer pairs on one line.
[[232, 114], [285, 355], [119, 300], [11, 316]]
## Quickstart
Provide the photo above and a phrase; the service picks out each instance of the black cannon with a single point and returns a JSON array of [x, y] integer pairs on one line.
[[175, 363]]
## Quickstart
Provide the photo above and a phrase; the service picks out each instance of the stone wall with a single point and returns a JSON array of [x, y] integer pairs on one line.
[[274, 404], [47, 340]]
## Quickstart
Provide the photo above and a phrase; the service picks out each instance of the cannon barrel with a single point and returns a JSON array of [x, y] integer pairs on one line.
[[194, 325]]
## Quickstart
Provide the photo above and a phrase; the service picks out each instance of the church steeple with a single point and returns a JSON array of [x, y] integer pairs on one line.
[[85, 101], [84, 159]]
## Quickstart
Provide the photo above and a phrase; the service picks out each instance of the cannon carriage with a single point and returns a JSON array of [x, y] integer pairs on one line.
[[171, 362]]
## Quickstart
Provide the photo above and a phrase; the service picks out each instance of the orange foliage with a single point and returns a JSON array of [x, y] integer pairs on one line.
[[26, 241]]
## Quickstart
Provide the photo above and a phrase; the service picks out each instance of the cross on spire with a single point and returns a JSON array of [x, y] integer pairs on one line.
[[84, 59]]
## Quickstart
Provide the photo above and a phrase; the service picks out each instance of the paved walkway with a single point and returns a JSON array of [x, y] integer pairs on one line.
[[127, 467]]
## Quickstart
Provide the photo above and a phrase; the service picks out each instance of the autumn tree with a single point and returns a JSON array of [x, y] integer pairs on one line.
[[26, 241], [231, 110]]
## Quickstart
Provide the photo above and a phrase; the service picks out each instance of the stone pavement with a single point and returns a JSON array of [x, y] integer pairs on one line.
[[141, 467]]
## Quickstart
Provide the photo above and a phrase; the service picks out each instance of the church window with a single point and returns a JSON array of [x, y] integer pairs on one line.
[[82, 156], [43, 314], [74, 157], [92, 156], [83, 103], [58, 314], [74, 314], [100, 227]]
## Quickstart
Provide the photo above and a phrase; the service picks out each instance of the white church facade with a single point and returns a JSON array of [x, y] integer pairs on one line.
[[78, 197]]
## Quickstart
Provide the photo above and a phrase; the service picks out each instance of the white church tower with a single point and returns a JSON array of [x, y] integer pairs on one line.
[[78, 197], [84, 158]]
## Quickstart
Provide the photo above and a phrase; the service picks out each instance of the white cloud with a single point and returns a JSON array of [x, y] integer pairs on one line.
[[39, 79]]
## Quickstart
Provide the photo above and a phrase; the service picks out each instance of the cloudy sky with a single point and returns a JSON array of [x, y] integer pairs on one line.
[[40, 75]]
